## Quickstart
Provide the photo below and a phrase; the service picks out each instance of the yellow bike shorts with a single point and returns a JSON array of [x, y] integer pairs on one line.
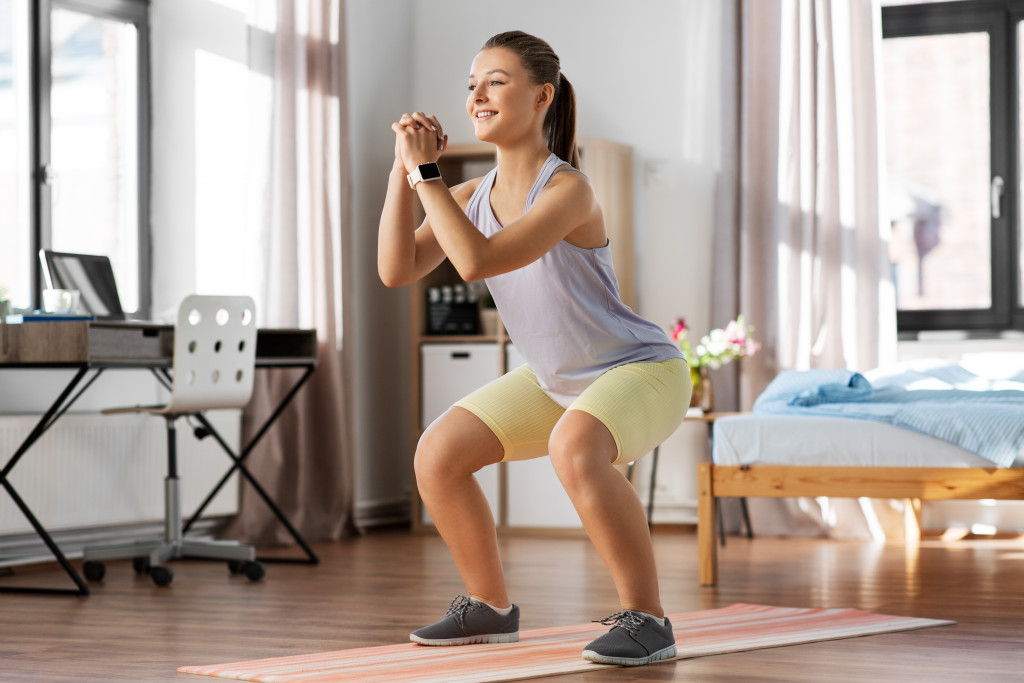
[[641, 404]]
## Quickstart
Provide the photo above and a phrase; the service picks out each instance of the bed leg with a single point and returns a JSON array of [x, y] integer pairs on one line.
[[707, 549], [912, 519]]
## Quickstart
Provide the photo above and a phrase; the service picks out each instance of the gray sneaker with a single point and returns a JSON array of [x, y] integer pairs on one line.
[[635, 639], [468, 621]]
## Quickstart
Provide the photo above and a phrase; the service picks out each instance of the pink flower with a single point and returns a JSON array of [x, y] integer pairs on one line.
[[678, 329], [719, 346]]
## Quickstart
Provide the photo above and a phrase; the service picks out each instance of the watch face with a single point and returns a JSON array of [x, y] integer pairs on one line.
[[429, 171]]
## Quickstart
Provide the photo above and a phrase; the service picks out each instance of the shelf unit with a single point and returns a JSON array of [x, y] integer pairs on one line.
[[609, 166]]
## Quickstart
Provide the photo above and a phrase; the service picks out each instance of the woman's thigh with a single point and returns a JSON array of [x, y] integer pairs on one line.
[[640, 404], [517, 411]]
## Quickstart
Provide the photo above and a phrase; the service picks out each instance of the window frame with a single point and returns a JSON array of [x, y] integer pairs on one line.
[[135, 12], [998, 19]]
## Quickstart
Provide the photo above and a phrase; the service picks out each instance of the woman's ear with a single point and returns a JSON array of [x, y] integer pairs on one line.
[[545, 96]]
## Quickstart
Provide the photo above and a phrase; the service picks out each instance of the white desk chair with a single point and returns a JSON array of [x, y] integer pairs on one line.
[[213, 366]]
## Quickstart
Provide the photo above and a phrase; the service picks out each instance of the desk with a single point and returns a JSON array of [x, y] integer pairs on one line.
[[94, 347]]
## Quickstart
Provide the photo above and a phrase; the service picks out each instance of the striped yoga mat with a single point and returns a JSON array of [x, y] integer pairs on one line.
[[552, 651]]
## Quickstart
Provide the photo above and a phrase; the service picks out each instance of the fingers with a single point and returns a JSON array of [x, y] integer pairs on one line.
[[418, 120]]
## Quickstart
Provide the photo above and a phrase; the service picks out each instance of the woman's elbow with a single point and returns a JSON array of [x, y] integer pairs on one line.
[[472, 269], [392, 279]]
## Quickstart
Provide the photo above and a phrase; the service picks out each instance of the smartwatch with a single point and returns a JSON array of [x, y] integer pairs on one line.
[[424, 173]]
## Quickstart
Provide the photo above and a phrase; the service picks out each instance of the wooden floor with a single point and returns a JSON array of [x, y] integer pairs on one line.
[[374, 589]]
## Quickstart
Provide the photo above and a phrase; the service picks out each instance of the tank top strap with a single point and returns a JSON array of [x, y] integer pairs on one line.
[[482, 193], [543, 178]]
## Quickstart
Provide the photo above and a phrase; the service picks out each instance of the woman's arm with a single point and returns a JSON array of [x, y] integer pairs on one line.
[[405, 254], [566, 205]]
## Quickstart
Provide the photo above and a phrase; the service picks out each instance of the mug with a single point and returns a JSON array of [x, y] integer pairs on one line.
[[61, 300]]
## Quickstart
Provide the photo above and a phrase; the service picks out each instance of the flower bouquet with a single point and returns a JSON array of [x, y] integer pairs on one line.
[[717, 348]]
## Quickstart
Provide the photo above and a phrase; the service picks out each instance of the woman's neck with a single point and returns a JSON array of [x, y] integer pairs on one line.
[[518, 167]]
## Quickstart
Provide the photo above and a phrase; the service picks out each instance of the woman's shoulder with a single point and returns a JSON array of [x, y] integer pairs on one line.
[[464, 190], [566, 171], [568, 178]]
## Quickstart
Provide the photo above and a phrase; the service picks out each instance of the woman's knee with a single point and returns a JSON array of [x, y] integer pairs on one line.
[[455, 446], [579, 443]]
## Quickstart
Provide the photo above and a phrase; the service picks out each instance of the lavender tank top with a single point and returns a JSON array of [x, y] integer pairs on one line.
[[563, 311]]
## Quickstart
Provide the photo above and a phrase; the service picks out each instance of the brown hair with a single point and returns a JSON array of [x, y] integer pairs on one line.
[[543, 65]]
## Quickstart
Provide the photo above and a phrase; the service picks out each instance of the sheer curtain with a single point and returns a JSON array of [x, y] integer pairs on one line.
[[298, 187], [800, 244]]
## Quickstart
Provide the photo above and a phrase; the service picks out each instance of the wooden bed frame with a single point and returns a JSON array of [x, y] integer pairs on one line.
[[791, 481]]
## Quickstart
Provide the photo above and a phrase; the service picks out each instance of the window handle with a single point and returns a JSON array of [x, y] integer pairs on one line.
[[47, 175], [997, 196]]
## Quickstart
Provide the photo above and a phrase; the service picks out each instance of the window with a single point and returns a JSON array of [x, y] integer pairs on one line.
[[951, 107], [16, 231], [74, 139]]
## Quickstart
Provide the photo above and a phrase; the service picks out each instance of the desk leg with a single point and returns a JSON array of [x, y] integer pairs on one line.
[[47, 420], [650, 494], [238, 464]]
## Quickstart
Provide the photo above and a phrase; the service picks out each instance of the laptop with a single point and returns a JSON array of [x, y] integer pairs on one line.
[[90, 274]]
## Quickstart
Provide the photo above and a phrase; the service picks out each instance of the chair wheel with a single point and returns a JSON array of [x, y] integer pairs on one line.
[[94, 571], [254, 570], [162, 576], [141, 565], [235, 566]]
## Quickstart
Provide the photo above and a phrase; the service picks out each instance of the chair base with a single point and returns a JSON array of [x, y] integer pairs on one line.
[[152, 553], [159, 551]]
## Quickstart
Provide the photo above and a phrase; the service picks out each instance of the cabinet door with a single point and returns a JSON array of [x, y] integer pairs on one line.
[[534, 496], [449, 372]]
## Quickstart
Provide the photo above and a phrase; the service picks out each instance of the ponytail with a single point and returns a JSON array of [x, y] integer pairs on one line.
[[543, 65], [560, 123]]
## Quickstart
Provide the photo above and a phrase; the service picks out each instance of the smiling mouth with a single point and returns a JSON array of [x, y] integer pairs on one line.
[[485, 115]]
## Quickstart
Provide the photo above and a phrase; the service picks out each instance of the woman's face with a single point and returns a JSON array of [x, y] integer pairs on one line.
[[503, 104]]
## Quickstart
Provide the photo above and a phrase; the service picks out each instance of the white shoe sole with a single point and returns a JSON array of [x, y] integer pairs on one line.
[[493, 638], [667, 653]]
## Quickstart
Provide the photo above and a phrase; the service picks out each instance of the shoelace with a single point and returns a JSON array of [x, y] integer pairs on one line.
[[627, 619], [460, 605]]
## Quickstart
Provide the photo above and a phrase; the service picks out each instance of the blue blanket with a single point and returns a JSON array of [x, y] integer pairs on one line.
[[979, 418]]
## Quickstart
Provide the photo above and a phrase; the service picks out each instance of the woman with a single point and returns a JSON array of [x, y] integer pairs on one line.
[[602, 386]]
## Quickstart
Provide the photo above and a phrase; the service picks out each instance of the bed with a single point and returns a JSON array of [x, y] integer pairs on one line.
[[814, 446]]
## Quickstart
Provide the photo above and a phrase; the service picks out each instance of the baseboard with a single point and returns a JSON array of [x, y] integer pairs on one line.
[[383, 512], [674, 512], [27, 549]]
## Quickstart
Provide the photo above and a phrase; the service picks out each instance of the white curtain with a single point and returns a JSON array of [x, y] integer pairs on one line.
[[298, 189], [800, 244]]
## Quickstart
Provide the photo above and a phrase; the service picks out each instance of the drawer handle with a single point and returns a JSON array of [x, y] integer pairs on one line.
[[460, 354]]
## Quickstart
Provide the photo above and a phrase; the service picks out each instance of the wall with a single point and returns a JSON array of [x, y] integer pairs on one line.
[[380, 50], [653, 87]]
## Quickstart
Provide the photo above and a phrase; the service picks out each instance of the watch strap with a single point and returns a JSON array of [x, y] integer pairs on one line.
[[424, 173]]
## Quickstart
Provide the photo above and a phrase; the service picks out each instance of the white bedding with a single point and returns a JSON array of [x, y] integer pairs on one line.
[[819, 440]]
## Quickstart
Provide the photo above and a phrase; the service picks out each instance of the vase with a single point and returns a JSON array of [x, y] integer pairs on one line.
[[695, 391], [707, 394]]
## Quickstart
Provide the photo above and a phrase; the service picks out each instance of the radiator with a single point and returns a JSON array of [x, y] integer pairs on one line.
[[92, 471]]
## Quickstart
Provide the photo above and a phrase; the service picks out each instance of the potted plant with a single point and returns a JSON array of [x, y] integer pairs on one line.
[[716, 348]]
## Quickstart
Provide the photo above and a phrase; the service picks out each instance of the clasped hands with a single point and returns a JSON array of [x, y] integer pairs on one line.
[[419, 139]]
